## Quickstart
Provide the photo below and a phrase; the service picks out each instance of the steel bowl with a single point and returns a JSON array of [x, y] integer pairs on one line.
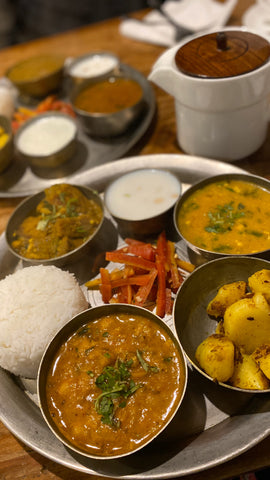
[[6, 152], [27, 207], [54, 159], [108, 125], [191, 321], [197, 254], [147, 225], [91, 315], [99, 70], [44, 74]]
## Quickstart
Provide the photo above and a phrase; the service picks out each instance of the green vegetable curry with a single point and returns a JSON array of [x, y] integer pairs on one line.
[[63, 221]]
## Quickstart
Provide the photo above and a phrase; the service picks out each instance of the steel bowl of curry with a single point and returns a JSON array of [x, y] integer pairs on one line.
[[37, 76], [55, 226], [111, 380], [108, 107], [225, 215]]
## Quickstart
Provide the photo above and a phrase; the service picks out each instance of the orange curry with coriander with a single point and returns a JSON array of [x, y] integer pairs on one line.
[[114, 383]]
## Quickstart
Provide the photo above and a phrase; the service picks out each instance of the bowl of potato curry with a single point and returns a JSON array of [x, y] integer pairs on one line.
[[221, 316], [55, 226], [111, 380]]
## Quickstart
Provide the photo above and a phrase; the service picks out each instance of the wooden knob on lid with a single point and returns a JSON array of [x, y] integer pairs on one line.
[[223, 54]]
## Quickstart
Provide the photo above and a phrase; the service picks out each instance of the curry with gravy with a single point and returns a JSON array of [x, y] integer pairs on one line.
[[114, 383], [63, 220], [230, 217]]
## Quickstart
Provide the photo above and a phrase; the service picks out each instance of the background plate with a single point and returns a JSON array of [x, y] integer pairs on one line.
[[212, 425], [18, 181]]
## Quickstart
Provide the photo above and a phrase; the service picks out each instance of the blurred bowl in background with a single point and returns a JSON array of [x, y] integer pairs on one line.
[[37, 76], [6, 143], [108, 107], [142, 201], [225, 215], [94, 65], [47, 141]]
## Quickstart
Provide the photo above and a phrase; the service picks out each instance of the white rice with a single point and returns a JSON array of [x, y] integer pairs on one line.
[[35, 302]]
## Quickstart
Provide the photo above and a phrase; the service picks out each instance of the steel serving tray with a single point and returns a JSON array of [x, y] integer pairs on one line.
[[212, 426], [19, 180]]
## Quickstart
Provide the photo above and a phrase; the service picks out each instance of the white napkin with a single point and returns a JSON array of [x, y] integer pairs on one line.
[[195, 15]]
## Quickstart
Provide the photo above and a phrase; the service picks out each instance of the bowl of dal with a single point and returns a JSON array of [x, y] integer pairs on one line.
[[47, 141], [111, 380], [142, 201], [55, 226], [225, 215], [108, 107], [37, 76], [221, 317]]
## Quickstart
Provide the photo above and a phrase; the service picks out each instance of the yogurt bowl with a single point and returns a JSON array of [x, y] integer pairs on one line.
[[47, 140], [142, 201]]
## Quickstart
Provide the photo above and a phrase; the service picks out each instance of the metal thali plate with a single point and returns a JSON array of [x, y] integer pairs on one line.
[[212, 426], [19, 180]]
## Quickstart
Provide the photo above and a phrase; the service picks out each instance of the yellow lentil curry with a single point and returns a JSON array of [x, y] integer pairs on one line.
[[114, 384], [35, 68], [109, 96], [228, 216], [63, 220]]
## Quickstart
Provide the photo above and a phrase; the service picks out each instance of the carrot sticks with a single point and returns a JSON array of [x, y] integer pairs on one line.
[[149, 277]]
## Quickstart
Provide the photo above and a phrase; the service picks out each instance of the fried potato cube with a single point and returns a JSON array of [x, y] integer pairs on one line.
[[226, 295], [215, 356], [259, 282], [262, 357], [247, 323], [248, 375]]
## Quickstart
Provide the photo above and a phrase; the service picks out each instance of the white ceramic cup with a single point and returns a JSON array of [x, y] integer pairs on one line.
[[224, 118]]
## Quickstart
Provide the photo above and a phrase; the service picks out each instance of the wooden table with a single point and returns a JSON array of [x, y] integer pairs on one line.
[[18, 462]]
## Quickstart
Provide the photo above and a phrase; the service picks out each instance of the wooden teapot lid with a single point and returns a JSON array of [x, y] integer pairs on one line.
[[223, 54]]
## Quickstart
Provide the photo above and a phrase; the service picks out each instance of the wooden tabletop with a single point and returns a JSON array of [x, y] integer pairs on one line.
[[17, 461]]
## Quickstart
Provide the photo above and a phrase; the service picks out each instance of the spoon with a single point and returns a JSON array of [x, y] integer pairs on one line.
[[180, 31]]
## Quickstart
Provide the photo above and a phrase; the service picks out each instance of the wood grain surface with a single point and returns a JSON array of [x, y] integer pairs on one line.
[[17, 461]]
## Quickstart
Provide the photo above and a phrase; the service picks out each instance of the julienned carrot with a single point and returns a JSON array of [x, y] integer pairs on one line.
[[132, 260], [105, 286], [176, 277], [143, 292], [142, 281], [161, 290]]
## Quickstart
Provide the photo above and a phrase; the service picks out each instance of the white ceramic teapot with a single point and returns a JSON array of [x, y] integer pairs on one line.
[[220, 81]]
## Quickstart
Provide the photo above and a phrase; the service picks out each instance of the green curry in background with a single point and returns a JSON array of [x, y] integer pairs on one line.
[[230, 217], [63, 221]]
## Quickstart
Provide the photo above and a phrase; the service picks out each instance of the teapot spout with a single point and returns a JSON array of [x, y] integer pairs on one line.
[[164, 73]]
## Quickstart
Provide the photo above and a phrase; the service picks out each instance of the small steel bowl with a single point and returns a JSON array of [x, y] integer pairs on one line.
[[47, 160], [27, 207], [191, 321], [6, 152], [197, 254], [91, 315], [108, 124], [147, 225], [37, 76], [103, 65]]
